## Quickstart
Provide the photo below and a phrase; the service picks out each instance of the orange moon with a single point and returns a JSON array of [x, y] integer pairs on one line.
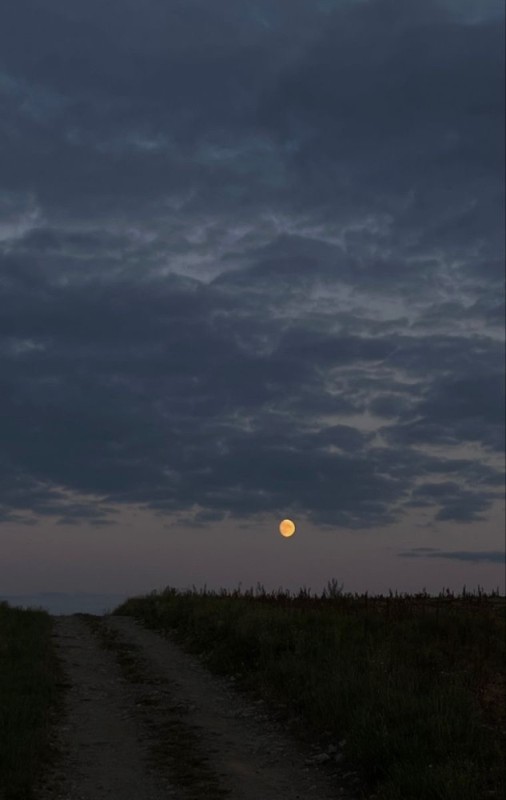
[[286, 528]]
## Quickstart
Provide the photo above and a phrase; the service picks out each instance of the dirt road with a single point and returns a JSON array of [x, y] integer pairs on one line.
[[144, 720]]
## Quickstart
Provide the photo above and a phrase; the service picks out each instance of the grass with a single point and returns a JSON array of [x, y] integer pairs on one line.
[[29, 699], [414, 684]]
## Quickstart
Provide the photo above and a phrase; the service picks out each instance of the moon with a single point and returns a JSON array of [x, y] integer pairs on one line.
[[287, 528]]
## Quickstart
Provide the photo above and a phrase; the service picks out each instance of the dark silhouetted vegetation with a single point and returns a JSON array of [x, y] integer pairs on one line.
[[29, 694], [414, 684]]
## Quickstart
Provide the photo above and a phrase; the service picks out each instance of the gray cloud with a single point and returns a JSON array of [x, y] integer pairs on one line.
[[228, 232], [490, 556]]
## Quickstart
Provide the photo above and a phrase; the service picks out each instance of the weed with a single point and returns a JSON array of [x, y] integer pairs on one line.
[[31, 682], [413, 683]]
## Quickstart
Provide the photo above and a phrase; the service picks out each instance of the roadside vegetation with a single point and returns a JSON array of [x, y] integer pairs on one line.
[[411, 686], [29, 693]]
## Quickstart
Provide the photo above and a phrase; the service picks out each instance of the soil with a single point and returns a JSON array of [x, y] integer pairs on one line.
[[145, 720]]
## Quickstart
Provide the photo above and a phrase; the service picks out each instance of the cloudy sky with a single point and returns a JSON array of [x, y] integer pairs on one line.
[[251, 267]]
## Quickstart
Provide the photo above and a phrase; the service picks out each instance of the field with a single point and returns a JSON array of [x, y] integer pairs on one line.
[[406, 691], [414, 685], [29, 692]]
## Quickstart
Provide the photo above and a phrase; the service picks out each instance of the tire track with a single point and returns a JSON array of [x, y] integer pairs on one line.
[[146, 721]]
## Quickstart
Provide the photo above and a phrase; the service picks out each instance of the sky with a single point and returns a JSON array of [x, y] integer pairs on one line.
[[251, 268]]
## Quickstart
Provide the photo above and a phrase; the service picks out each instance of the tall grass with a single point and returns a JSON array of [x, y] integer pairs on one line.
[[28, 697], [414, 684]]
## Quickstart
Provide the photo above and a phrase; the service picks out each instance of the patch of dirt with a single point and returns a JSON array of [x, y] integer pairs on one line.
[[103, 746], [145, 720]]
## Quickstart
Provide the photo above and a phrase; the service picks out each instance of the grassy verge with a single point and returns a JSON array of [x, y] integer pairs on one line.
[[413, 684], [29, 694]]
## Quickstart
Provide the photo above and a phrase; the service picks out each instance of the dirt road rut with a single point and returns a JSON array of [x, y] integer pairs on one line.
[[146, 721]]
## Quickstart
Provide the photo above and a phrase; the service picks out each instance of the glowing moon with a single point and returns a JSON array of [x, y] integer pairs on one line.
[[286, 528]]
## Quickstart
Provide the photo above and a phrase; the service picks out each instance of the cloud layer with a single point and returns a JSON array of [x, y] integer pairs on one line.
[[251, 259]]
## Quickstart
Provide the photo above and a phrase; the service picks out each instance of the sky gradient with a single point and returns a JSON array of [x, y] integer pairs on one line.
[[251, 267]]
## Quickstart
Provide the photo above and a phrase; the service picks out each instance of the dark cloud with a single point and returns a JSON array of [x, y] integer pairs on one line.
[[232, 236], [488, 556], [454, 409]]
